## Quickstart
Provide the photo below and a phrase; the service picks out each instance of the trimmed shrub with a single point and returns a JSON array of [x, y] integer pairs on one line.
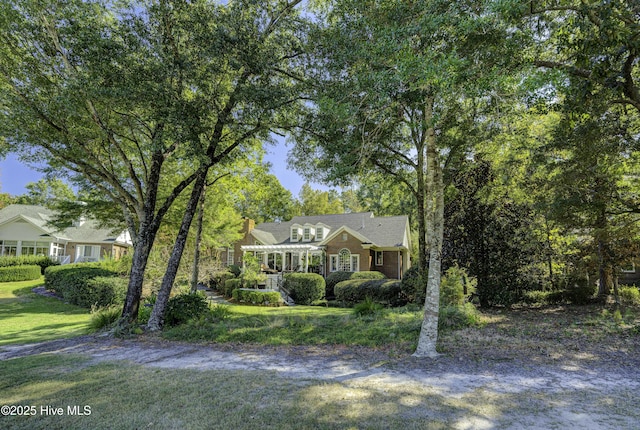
[[219, 278], [230, 285], [185, 307], [305, 288], [383, 291], [336, 277], [413, 286], [630, 296], [19, 273], [28, 260], [105, 291], [71, 282], [257, 297]]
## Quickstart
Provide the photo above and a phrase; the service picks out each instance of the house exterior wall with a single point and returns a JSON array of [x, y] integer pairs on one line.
[[353, 245], [630, 277], [22, 231], [390, 264], [247, 225]]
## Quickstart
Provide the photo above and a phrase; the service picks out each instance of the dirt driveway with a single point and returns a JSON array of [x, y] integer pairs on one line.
[[578, 393]]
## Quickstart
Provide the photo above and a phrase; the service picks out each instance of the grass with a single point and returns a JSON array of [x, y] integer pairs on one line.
[[28, 317], [394, 329], [122, 395]]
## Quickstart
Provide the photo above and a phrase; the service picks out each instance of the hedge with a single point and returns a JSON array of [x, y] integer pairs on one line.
[[382, 291], [230, 285], [184, 307], [219, 278], [304, 288], [19, 273], [76, 284], [336, 277], [257, 297], [28, 260]]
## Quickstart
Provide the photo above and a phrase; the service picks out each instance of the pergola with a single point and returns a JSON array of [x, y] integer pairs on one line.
[[302, 250]]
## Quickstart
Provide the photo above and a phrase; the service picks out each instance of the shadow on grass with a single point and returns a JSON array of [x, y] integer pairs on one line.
[[121, 396]]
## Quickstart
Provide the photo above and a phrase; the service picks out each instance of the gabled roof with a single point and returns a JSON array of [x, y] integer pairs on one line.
[[383, 232], [39, 216]]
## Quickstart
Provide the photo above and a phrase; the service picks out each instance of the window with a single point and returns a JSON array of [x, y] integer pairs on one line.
[[10, 247], [230, 256], [344, 260], [319, 233], [35, 248], [378, 258], [306, 235], [628, 268], [294, 234]]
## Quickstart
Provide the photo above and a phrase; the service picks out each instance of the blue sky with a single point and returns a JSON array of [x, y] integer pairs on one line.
[[14, 175]]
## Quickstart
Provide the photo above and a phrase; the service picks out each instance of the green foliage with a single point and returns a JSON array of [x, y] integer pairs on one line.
[[578, 290], [144, 313], [77, 284], [305, 288], [367, 307], [257, 297], [220, 312], [630, 296], [184, 307], [105, 318], [386, 292], [455, 287], [457, 317], [19, 273], [251, 275], [230, 285], [23, 260], [219, 278], [542, 298], [335, 277], [235, 269], [414, 288]]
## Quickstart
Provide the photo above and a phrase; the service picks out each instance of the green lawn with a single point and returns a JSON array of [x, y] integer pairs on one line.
[[27, 317], [391, 329]]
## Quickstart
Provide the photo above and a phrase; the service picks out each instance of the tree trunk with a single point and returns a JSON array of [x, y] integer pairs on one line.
[[138, 265], [196, 251], [156, 320], [435, 229]]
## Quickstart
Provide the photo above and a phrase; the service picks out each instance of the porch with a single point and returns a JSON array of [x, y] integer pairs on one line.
[[278, 259]]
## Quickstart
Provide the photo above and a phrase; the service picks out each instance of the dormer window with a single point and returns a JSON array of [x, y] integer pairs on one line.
[[306, 235], [296, 232], [319, 233]]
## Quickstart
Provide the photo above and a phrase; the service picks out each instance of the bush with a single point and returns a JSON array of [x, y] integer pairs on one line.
[[304, 288], [367, 307], [335, 278], [219, 278], [542, 298], [28, 260], [19, 273], [230, 285], [581, 294], [383, 291], [257, 297], [105, 318], [630, 296], [457, 317], [455, 287], [71, 282], [413, 287], [183, 307]]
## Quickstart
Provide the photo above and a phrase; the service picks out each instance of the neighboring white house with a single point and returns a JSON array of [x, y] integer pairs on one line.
[[24, 231]]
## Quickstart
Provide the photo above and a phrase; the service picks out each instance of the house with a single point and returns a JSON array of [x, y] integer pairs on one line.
[[630, 274], [328, 243], [24, 231]]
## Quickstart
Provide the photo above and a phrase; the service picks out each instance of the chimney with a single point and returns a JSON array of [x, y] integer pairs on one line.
[[248, 225]]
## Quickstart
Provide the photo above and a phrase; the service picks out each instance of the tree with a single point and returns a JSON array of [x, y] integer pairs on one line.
[[316, 202], [46, 192], [122, 94], [399, 93]]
